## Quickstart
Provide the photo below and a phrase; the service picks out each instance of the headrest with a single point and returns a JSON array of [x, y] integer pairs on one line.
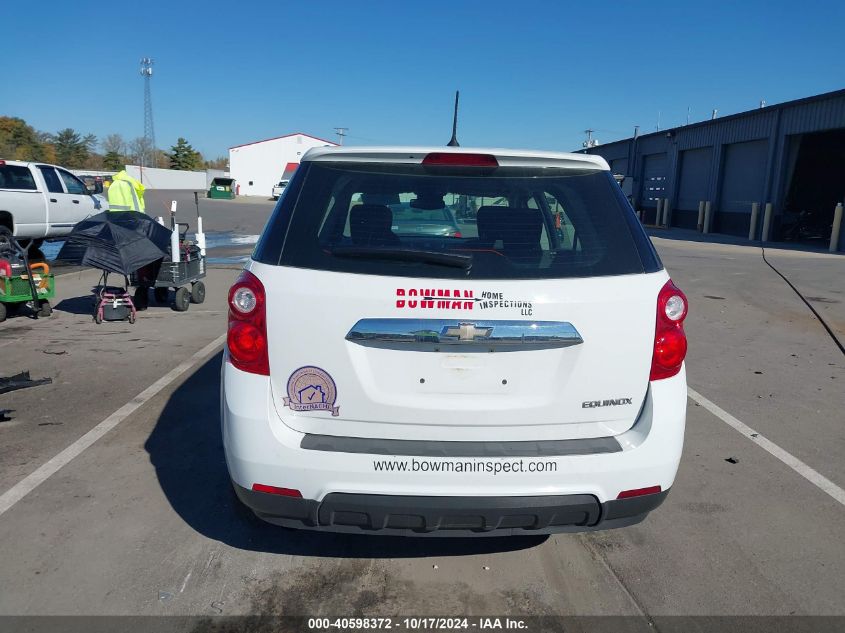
[[370, 218], [370, 224]]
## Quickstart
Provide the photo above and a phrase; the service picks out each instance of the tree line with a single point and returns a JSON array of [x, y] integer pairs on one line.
[[69, 148]]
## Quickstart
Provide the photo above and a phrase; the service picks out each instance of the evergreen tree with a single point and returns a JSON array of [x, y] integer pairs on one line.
[[113, 161], [183, 156], [72, 150]]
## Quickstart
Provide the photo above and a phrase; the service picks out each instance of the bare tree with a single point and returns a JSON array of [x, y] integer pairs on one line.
[[114, 143], [137, 149]]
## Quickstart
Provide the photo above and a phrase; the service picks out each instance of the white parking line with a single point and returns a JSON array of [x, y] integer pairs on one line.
[[811, 475], [49, 468]]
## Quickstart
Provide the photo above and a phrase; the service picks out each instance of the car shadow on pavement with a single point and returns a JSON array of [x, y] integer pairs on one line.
[[691, 235], [186, 450], [77, 305]]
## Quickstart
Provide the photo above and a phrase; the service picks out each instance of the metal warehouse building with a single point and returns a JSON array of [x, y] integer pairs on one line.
[[791, 155], [257, 166]]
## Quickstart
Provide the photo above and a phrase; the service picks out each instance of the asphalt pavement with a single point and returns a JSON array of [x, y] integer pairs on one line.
[[137, 517]]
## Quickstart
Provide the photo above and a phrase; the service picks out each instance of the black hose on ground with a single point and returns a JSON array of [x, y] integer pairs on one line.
[[830, 332]]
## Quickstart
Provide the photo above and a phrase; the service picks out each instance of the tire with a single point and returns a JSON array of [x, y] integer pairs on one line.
[[161, 294], [2, 312], [141, 298], [182, 300], [36, 256], [45, 309], [5, 239], [198, 292]]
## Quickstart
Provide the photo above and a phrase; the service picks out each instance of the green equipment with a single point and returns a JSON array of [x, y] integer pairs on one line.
[[16, 290], [222, 189]]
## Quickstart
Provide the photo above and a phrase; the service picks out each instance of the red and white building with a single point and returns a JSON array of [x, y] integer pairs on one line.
[[257, 166]]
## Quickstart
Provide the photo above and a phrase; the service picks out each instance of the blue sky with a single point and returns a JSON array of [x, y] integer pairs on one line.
[[531, 74]]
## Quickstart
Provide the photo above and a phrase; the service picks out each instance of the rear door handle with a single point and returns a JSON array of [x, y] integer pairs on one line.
[[53, 200], [76, 202]]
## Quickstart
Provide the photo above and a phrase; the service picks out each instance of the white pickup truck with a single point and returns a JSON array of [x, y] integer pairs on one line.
[[40, 201], [278, 189]]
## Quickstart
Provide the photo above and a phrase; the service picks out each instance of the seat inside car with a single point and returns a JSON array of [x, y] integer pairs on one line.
[[492, 222], [369, 225], [514, 231], [522, 235]]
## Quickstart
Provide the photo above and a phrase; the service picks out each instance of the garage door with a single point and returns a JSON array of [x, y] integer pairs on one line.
[[654, 179], [743, 179], [744, 176], [694, 178]]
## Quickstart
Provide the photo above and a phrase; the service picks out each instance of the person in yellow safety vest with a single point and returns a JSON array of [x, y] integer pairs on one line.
[[126, 193]]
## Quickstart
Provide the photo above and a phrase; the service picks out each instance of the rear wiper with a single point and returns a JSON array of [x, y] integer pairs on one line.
[[405, 255]]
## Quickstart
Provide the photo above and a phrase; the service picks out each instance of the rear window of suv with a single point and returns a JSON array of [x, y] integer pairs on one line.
[[455, 223]]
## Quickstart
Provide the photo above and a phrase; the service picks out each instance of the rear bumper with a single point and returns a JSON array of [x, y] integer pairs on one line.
[[449, 516], [387, 482]]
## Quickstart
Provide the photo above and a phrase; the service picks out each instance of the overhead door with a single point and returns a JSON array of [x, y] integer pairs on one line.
[[654, 179], [744, 176], [694, 178]]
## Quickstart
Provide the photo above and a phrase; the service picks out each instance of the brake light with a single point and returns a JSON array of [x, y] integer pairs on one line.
[[639, 492], [246, 338], [273, 490], [457, 234], [670, 341], [460, 160]]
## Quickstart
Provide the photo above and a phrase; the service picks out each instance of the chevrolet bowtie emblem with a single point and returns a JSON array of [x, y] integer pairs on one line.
[[467, 331]]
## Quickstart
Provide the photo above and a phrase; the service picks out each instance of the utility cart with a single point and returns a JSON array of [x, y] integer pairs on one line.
[[22, 283], [164, 275], [16, 292]]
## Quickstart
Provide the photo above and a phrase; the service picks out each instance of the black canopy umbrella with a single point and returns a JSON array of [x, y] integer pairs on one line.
[[116, 241]]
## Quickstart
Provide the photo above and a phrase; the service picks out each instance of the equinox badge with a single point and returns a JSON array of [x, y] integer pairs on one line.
[[592, 404]]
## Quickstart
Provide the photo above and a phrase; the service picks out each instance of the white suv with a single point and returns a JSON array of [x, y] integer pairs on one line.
[[524, 376]]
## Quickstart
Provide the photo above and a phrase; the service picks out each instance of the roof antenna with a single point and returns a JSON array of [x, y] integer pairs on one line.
[[453, 142]]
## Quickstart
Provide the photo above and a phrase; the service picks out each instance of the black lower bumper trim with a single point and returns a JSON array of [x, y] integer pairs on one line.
[[430, 448], [449, 516]]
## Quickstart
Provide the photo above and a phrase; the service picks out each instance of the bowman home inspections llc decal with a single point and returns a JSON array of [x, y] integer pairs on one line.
[[445, 299]]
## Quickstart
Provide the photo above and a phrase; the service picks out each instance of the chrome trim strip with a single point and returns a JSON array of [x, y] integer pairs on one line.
[[431, 448], [469, 335]]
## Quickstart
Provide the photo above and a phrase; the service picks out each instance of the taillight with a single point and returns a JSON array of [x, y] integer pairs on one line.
[[275, 490], [460, 159], [247, 335], [670, 341], [457, 234], [639, 492]]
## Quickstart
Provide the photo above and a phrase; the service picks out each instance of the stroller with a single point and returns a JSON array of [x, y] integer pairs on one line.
[[113, 303], [118, 242]]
